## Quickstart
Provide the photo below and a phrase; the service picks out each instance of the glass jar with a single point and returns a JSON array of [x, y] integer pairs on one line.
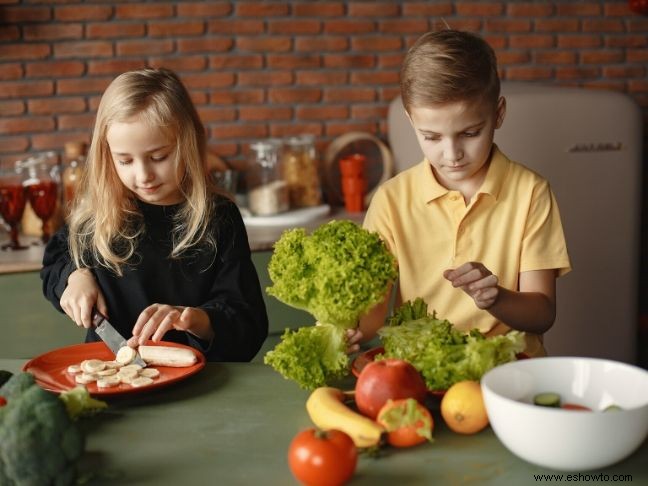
[[267, 192], [300, 171], [75, 153]]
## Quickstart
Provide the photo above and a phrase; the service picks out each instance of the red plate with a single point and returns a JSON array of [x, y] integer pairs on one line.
[[367, 357], [50, 369]]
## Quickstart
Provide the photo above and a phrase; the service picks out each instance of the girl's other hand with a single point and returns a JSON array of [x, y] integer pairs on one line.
[[477, 281], [354, 336], [157, 319], [80, 296]]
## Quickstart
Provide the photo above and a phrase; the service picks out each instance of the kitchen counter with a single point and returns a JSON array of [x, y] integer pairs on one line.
[[261, 239], [232, 424]]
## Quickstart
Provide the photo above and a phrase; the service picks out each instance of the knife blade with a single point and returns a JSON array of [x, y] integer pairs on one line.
[[111, 337]]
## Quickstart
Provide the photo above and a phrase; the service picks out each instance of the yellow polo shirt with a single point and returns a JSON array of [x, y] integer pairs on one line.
[[511, 225]]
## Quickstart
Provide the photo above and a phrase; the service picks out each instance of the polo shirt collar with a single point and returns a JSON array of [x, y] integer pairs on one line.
[[430, 189]]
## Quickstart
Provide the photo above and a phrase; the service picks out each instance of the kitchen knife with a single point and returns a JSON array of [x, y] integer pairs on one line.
[[111, 337]]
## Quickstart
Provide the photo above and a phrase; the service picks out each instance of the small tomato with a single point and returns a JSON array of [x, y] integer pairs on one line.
[[318, 458], [575, 406], [3, 401], [407, 422]]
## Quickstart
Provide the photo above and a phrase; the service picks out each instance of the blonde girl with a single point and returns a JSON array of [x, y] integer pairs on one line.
[[149, 242]]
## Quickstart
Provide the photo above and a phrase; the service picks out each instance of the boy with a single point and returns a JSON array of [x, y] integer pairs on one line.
[[476, 235]]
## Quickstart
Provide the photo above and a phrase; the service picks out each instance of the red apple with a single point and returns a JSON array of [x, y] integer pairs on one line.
[[387, 379]]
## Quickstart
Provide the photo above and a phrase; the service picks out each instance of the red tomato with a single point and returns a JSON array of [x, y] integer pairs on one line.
[[575, 406], [3, 401], [407, 422], [318, 458]]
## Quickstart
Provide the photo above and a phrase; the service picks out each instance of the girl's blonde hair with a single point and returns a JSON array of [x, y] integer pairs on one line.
[[105, 223], [448, 66]]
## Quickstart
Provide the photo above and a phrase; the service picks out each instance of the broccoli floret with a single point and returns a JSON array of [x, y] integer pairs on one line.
[[337, 273], [39, 443]]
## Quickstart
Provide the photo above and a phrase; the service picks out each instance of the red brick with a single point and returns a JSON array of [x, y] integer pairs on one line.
[[481, 9], [9, 33], [56, 140], [175, 28], [261, 113], [533, 41], [52, 31], [578, 41], [234, 61], [240, 96], [23, 52], [82, 86], [626, 41], [293, 129], [391, 60], [348, 26], [368, 112], [54, 106], [294, 95], [340, 128], [235, 26], [144, 47], [213, 114], [617, 9], [224, 149], [260, 9], [83, 12], [198, 97], [374, 77], [237, 131], [496, 41], [349, 95], [10, 71], [637, 25], [376, 43], [12, 126], [403, 26], [533, 10], [9, 108], [373, 9], [70, 122], [602, 25], [113, 30], [208, 80], [19, 89], [299, 26], [605, 85], [577, 73], [321, 44], [318, 9], [557, 25], [506, 57], [638, 86], [203, 10], [555, 57], [321, 77], [264, 78], [19, 15], [322, 112], [427, 9], [637, 55], [508, 25], [83, 49], [580, 9], [264, 44], [205, 44], [388, 93], [292, 61], [527, 73], [355, 61], [469, 25], [114, 66], [601, 57], [144, 11], [625, 72], [184, 63], [12, 144]]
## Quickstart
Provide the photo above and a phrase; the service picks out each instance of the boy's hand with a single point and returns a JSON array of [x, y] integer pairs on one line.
[[477, 281], [157, 319], [80, 296], [354, 336]]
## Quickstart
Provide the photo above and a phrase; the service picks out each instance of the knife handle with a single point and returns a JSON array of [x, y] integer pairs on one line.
[[97, 318]]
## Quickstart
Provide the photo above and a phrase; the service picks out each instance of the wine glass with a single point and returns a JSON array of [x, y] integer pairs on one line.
[[42, 188], [12, 204]]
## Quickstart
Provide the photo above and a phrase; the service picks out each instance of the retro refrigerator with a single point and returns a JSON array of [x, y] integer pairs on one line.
[[588, 144]]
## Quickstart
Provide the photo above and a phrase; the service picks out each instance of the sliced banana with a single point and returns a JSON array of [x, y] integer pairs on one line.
[[128, 373], [114, 365], [85, 378], [74, 369], [108, 381], [133, 366], [92, 365], [150, 372], [141, 381], [125, 355], [107, 372]]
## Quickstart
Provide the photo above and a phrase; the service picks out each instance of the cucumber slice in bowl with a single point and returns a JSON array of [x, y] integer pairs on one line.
[[547, 399]]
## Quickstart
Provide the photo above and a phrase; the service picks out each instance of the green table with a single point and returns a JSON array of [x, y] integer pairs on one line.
[[231, 424]]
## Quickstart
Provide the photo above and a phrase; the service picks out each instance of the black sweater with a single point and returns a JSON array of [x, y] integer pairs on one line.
[[224, 284]]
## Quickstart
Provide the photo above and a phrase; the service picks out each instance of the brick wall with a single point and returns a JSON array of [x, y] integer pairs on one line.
[[267, 68]]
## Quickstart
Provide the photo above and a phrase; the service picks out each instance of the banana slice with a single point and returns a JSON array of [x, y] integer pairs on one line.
[[114, 365], [74, 369], [85, 378], [107, 372], [150, 372], [141, 381], [108, 381], [128, 373], [92, 365], [125, 355], [132, 366]]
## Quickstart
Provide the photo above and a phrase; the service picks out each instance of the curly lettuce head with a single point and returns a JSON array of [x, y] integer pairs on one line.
[[337, 273]]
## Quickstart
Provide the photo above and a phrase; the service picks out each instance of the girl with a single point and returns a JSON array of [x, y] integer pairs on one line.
[[149, 242]]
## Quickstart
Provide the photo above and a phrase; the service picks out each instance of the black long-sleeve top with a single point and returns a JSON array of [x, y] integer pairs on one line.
[[223, 283]]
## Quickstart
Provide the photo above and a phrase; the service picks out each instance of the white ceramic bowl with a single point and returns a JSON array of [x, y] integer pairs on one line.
[[562, 439]]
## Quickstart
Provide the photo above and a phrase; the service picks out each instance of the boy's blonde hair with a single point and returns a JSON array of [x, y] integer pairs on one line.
[[105, 223], [448, 66]]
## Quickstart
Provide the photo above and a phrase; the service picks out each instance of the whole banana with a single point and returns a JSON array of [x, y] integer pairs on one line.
[[327, 410]]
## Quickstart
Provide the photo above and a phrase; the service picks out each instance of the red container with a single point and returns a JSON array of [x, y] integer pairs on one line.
[[354, 185], [354, 203], [353, 165]]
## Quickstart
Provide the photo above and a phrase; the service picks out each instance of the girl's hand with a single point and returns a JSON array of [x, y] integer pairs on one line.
[[157, 319], [477, 281], [354, 336], [80, 296]]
